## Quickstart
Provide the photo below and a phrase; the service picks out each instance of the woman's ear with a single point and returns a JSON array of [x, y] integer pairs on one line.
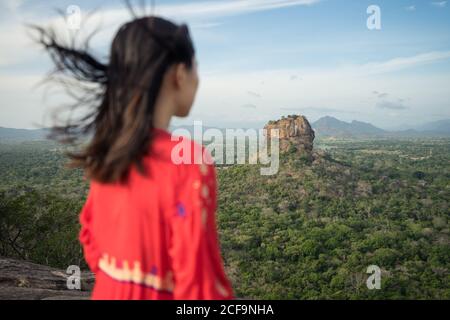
[[180, 75]]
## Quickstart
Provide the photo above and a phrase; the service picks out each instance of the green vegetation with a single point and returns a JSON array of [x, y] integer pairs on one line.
[[309, 232], [39, 204]]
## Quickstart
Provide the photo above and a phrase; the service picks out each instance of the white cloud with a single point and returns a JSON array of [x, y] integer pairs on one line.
[[340, 91], [346, 89], [404, 62], [440, 4], [410, 8], [22, 103], [12, 5], [343, 92], [21, 53], [222, 7], [200, 15], [391, 105]]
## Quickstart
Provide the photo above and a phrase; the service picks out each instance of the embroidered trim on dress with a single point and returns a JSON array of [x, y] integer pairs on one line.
[[135, 274]]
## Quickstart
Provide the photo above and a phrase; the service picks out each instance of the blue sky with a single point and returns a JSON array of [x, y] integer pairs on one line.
[[261, 59]]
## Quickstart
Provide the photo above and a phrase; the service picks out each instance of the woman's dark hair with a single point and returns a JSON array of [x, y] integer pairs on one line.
[[121, 102]]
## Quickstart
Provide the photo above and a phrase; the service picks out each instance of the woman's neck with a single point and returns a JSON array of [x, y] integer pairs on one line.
[[164, 110], [161, 123]]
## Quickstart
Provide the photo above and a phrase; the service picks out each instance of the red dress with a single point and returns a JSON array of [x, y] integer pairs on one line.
[[155, 237]]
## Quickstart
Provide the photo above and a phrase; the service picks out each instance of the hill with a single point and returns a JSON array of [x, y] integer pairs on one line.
[[329, 126], [12, 135], [441, 126]]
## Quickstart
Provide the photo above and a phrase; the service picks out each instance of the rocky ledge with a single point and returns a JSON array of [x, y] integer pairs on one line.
[[23, 280]]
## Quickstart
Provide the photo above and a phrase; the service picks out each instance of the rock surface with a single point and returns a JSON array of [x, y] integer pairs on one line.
[[293, 130], [23, 280]]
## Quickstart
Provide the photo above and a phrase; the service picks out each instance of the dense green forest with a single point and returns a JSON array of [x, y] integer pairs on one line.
[[309, 232]]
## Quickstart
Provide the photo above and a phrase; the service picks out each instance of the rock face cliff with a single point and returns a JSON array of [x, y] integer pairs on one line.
[[23, 280], [294, 131]]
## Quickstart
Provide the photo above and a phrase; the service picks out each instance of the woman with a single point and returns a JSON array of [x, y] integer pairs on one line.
[[148, 224]]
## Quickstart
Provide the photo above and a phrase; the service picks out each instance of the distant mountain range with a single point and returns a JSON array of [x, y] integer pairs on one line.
[[11, 134], [442, 126], [329, 126], [324, 127], [332, 127]]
